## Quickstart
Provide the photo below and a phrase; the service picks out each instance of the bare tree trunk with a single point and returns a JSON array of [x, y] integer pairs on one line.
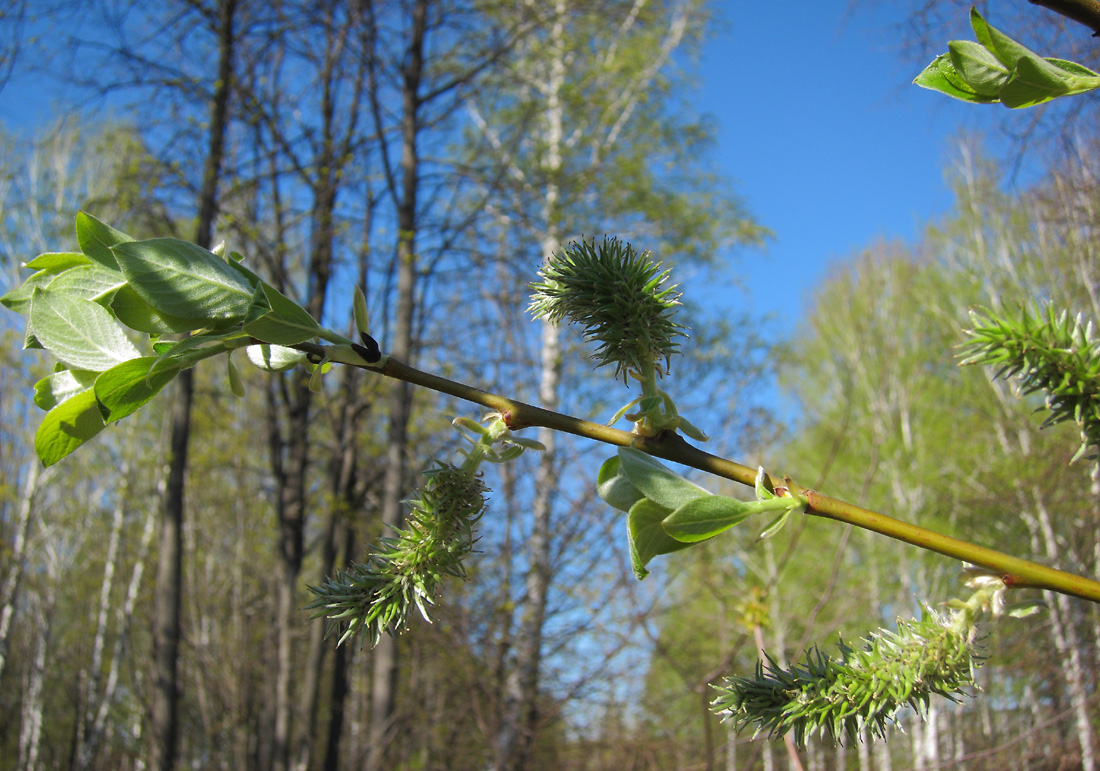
[[164, 709], [384, 681], [123, 619], [520, 713], [90, 677], [9, 592], [1067, 641], [30, 732]]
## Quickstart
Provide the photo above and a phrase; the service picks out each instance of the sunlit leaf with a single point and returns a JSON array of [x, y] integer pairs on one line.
[[125, 388], [97, 238], [648, 538], [79, 332], [183, 280], [67, 426]]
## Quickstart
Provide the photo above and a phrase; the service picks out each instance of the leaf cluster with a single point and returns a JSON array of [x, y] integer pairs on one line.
[[996, 68], [666, 513], [1049, 352], [406, 570], [862, 689], [617, 296], [110, 315]]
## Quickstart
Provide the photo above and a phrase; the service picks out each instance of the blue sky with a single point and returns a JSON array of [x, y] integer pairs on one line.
[[825, 137], [819, 127]]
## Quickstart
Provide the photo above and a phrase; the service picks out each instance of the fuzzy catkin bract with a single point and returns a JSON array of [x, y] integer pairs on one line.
[[619, 299]]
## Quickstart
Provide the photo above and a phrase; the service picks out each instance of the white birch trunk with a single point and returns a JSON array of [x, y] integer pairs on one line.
[[1066, 639], [9, 592]]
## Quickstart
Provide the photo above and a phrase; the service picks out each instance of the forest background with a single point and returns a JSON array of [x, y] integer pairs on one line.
[[433, 153]]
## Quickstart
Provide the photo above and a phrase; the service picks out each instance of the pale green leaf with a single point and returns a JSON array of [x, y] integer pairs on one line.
[[706, 517], [125, 388], [90, 282], [133, 311], [284, 322], [656, 481], [56, 262], [274, 358], [53, 389], [80, 333], [67, 426], [979, 68], [613, 486], [183, 280], [648, 538], [97, 238]]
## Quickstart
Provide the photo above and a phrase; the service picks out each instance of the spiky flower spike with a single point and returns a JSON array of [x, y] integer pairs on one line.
[[862, 689], [376, 596], [1048, 352], [617, 296]]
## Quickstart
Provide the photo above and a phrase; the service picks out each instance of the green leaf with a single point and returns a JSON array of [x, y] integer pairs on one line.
[[133, 311], [941, 76], [656, 481], [67, 426], [53, 389], [80, 333], [613, 486], [97, 238], [183, 280], [274, 358], [90, 282], [978, 67], [1007, 50], [284, 322], [774, 526], [18, 299], [706, 517], [191, 350], [648, 538], [126, 387], [56, 262]]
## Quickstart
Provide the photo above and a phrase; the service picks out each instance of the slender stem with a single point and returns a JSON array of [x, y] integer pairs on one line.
[[1086, 12], [1013, 571]]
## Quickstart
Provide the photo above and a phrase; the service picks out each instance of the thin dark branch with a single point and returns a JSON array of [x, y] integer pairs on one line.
[[1085, 12]]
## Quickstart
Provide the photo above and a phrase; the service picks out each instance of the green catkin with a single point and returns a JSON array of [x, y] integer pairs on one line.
[[863, 689], [616, 296], [376, 596]]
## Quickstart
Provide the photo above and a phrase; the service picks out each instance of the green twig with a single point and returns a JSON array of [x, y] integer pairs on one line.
[[1013, 571]]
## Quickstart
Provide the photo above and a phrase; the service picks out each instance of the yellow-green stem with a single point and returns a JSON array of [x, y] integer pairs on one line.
[[1013, 571]]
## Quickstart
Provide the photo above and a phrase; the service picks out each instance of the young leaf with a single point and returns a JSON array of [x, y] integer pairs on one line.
[[80, 333], [56, 262], [90, 282], [940, 75], [280, 320], [613, 486], [648, 538], [18, 299], [67, 426], [64, 384], [274, 358], [96, 239], [183, 280], [978, 67], [125, 388], [656, 481], [137, 314], [706, 517]]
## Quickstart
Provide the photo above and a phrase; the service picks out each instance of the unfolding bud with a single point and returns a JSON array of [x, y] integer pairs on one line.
[[236, 384], [359, 309]]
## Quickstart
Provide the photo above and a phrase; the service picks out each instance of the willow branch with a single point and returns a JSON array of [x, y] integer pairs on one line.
[[1013, 571], [1085, 12]]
